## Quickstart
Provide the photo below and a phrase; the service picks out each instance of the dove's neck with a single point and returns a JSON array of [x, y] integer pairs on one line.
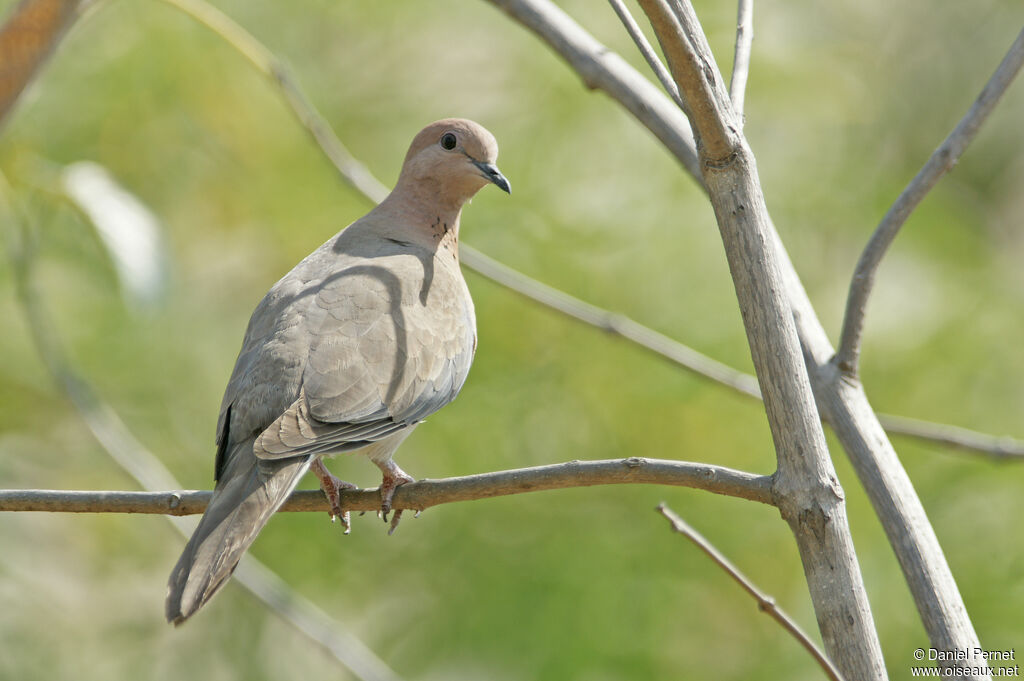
[[429, 219]]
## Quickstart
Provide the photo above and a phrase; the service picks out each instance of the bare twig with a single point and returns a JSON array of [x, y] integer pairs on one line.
[[423, 494], [942, 161], [741, 55], [954, 437], [765, 603], [649, 55], [354, 172], [616, 324]]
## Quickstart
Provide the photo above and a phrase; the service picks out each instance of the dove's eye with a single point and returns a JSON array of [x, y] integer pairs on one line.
[[448, 141]]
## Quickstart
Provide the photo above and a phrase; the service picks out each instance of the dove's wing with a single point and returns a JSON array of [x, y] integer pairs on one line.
[[393, 344]]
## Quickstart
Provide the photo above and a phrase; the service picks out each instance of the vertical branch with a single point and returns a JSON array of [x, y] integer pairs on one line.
[[741, 55], [941, 161], [695, 72], [808, 493]]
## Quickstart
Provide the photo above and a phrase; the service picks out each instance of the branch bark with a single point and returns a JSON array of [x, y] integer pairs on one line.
[[807, 491], [741, 55], [646, 50], [696, 74], [423, 494], [941, 161]]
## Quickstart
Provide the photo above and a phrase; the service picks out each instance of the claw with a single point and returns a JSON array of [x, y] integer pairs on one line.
[[393, 477], [332, 487], [394, 522]]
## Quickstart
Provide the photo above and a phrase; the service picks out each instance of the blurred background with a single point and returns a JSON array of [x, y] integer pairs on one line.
[[845, 103]]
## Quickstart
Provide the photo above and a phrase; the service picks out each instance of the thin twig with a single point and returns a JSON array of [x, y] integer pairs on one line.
[[954, 437], [147, 469], [765, 603], [423, 494], [647, 50], [741, 55], [354, 172], [602, 69], [942, 161], [622, 83], [616, 324]]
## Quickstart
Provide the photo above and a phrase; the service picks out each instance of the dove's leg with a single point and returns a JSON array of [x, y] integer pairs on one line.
[[331, 486], [393, 477]]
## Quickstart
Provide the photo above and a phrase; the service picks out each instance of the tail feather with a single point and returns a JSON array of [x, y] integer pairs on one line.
[[248, 493]]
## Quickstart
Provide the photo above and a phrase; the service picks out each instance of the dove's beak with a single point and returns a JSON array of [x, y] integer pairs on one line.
[[491, 172]]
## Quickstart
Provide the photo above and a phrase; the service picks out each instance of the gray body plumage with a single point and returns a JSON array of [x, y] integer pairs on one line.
[[349, 351]]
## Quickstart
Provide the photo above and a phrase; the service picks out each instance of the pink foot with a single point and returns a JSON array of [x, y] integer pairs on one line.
[[332, 487], [393, 477]]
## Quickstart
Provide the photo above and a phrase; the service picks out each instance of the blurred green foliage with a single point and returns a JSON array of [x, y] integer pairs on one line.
[[845, 103]]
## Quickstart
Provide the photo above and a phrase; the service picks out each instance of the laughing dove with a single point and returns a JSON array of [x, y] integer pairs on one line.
[[368, 335]]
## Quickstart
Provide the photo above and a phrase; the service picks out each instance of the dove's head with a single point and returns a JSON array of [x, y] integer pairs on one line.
[[452, 159]]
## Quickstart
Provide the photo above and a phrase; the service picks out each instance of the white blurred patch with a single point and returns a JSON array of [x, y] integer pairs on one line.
[[127, 227]]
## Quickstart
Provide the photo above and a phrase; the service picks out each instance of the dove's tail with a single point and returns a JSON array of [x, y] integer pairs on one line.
[[247, 494]]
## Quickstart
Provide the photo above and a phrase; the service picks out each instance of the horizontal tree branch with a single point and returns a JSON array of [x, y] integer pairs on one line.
[[421, 494]]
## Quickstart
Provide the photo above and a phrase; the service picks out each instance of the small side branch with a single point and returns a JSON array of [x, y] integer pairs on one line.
[[741, 55], [649, 55], [954, 437], [942, 161], [422, 494], [765, 603], [615, 324], [351, 170]]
